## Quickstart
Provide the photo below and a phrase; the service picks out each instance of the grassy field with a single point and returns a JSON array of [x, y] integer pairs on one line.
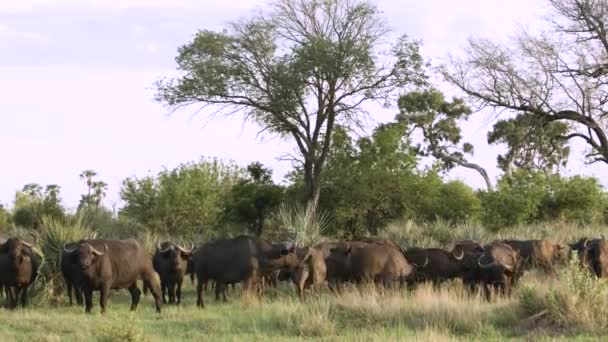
[[571, 305], [541, 309]]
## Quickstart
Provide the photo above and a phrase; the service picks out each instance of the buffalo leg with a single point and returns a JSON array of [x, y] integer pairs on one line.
[[88, 300], [152, 280], [200, 289], [163, 290], [11, 297], [178, 291], [18, 291], [24, 296], [68, 287], [78, 294], [135, 295], [171, 290], [220, 288], [103, 297]]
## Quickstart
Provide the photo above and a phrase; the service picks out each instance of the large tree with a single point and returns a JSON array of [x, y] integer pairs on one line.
[[439, 122], [297, 71], [558, 76]]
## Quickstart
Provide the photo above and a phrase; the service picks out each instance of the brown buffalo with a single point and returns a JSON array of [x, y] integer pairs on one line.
[[19, 266], [311, 271], [381, 264], [242, 259], [171, 261], [535, 253], [112, 264]]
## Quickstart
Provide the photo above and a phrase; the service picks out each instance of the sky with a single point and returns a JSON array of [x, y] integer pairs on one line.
[[77, 85]]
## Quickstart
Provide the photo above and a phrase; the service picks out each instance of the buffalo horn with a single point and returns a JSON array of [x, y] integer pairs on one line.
[[426, 262], [98, 252], [160, 250], [69, 250], [459, 257], [187, 251], [493, 263]]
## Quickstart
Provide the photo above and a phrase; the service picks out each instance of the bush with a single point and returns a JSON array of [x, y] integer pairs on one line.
[[577, 301]]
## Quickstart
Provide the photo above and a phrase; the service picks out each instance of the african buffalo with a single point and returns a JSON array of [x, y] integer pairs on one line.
[[241, 259], [19, 266], [534, 253], [596, 257], [467, 246], [369, 262], [499, 267], [170, 261], [435, 264], [112, 264], [311, 270], [582, 246], [69, 270]]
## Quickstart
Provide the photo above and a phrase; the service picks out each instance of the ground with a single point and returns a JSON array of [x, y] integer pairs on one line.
[[427, 314]]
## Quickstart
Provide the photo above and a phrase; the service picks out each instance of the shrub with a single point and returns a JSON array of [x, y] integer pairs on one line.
[[577, 301]]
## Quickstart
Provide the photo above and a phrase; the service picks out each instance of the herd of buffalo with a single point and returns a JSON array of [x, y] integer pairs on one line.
[[104, 264]]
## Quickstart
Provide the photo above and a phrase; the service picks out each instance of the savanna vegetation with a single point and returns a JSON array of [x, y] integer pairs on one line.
[[304, 71]]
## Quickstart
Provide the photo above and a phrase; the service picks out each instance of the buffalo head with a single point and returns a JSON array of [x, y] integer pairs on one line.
[[17, 248], [176, 254], [85, 253]]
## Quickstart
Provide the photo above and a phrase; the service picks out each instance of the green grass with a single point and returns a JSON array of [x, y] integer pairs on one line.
[[444, 314]]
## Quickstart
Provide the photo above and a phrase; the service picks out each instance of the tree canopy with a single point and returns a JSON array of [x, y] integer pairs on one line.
[[297, 71]]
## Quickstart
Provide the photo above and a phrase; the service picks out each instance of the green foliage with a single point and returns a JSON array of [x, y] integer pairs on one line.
[[186, 200], [364, 185], [5, 218], [532, 143], [368, 184], [269, 67], [24, 217], [457, 202], [251, 200], [526, 197], [32, 203], [439, 123], [578, 199]]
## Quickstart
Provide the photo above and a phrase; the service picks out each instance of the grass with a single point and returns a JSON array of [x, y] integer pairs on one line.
[[447, 313]]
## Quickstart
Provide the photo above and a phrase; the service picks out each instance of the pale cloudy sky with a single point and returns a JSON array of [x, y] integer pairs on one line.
[[76, 86]]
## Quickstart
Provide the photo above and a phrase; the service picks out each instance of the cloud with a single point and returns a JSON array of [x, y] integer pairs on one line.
[[10, 34], [24, 6]]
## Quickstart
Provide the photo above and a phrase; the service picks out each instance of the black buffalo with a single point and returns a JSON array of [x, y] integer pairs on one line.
[[69, 270], [106, 265], [435, 264], [19, 265], [241, 259], [171, 262]]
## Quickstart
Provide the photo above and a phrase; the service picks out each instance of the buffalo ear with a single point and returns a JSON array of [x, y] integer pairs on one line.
[[348, 250]]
